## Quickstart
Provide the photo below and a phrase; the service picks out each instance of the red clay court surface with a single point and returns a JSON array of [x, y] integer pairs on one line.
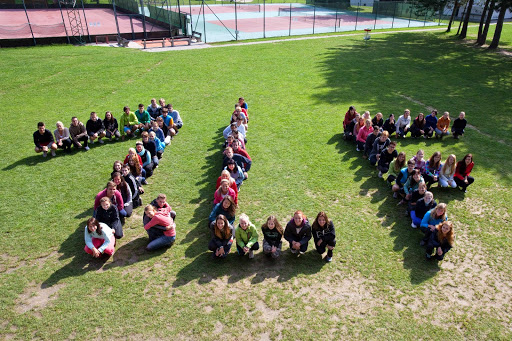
[[48, 23]]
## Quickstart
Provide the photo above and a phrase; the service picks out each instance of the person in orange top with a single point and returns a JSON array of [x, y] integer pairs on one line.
[[443, 125]]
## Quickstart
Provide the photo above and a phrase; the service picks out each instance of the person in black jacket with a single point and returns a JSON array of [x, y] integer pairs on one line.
[[298, 233], [111, 126], [422, 206], [324, 235], [459, 125], [272, 235], [440, 240], [95, 128], [108, 214], [43, 139], [150, 146]]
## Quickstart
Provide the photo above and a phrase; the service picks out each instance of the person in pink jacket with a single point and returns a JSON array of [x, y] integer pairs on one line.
[[223, 190], [160, 227], [363, 133], [113, 194]]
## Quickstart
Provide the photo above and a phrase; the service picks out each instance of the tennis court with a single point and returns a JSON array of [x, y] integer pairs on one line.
[[251, 21]]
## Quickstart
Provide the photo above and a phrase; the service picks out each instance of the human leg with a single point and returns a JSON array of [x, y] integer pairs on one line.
[[160, 242]]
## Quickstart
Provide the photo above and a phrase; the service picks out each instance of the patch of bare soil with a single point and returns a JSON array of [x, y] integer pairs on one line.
[[13, 264], [36, 297]]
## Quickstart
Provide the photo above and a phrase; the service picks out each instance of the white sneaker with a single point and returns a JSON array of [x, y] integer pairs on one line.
[[101, 141], [91, 140], [87, 148], [328, 259], [413, 225], [380, 174], [53, 152], [358, 150], [45, 154], [251, 254]]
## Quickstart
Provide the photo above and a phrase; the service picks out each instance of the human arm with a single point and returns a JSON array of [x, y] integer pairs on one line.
[[254, 236], [129, 196]]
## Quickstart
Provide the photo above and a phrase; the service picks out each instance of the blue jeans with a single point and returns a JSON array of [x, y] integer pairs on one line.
[[160, 242], [416, 221]]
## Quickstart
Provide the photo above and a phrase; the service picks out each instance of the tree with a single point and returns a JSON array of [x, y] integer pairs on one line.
[[482, 18], [483, 37], [464, 31], [503, 5], [456, 5]]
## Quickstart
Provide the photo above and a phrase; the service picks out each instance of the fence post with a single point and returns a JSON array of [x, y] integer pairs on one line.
[[336, 19], [236, 23], [376, 14], [204, 24], [410, 15], [169, 17], [264, 36], [425, 21], [290, 25], [143, 18], [394, 13], [314, 17], [29, 25], [357, 15]]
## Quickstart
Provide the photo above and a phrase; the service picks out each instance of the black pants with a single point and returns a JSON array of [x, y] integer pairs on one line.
[[83, 141], [462, 184], [254, 247], [66, 145], [149, 169], [429, 180], [321, 248]]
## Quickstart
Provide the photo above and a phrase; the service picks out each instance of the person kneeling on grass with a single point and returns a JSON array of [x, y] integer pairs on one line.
[[298, 233], [98, 239], [462, 171], [129, 123], [222, 237], [246, 237], [422, 206], [95, 128], [386, 157], [43, 139], [160, 227], [108, 214], [440, 240], [324, 235], [272, 235], [459, 125]]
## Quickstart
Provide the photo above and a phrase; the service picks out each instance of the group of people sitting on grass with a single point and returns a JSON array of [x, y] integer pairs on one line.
[[123, 192], [235, 167], [161, 119], [411, 179]]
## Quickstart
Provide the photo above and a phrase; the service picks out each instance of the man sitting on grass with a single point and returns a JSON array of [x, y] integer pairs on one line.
[[95, 128], [43, 139]]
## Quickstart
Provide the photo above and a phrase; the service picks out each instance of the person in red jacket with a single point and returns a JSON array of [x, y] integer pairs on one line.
[[462, 171], [349, 116], [160, 227]]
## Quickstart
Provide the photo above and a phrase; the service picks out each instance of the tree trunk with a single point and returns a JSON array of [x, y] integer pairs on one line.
[[482, 19], [455, 6], [499, 27], [464, 31], [483, 37], [461, 18]]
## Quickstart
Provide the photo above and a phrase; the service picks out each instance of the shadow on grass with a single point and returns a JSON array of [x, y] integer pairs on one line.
[[206, 269], [30, 161]]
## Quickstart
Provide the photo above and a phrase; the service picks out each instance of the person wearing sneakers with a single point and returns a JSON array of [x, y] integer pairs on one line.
[[43, 139], [78, 133], [443, 125], [246, 237], [386, 156], [324, 235], [95, 128], [128, 123], [298, 233]]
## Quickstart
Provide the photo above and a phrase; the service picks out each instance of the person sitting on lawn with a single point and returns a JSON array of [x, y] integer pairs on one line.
[[422, 206], [358, 125], [153, 109], [431, 124], [178, 122], [135, 186], [349, 130], [160, 227], [95, 128], [417, 194], [411, 185], [324, 235], [78, 133], [402, 178], [418, 126], [443, 125], [242, 103], [246, 237], [368, 145], [226, 207], [143, 117], [462, 171], [108, 214], [389, 125], [440, 240], [111, 126], [419, 161], [403, 123], [432, 169], [62, 137], [272, 236], [98, 239], [147, 161], [433, 217], [363, 134], [236, 172], [168, 121], [298, 233], [165, 130], [395, 168], [459, 125], [378, 146], [114, 195], [160, 203], [160, 145], [386, 157], [222, 234], [125, 191], [150, 146], [243, 162], [378, 120], [128, 123], [43, 139], [159, 132], [224, 175], [446, 176], [222, 191], [350, 115]]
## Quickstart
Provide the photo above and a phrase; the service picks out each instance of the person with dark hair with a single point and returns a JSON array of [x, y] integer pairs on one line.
[[432, 169], [62, 137], [150, 146], [386, 156], [298, 233], [98, 239], [242, 103], [78, 133], [459, 124], [143, 117], [135, 186], [126, 193], [236, 172], [168, 121], [226, 207], [108, 214], [165, 130], [389, 125], [43, 139], [324, 235], [95, 128], [350, 115], [243, 162], [222, 236], [129, 123], [462, 171], [111, 126], [272, 236], [113, 194], [430, 124], [379, 145], [368, 145], [418, 126], [178, 122]]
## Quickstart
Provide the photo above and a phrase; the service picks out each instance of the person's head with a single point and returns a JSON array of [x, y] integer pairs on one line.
[[145, 136], [74, 121], [150, 211], [410, 165], [41, 127], [238, 108], [152, 135], [446, 114], [224, 186], [366, 115], [352, 109], [451, 160], [416, 175], [407, 112], [132, 151], [224, 175], [239, 120], [357, 116], [117, 166], [435, 160], [321, 220], [462, 115], [422, 188], [111, 188], [162, 102], [298, 218], [169, 107], [229, 152], [440, 211], [94, 116], [221, 222], [105, 203], [384, 136], [241, 100], [118, 179], [468, 158], [93, 225], [244, 221], [401, 157], [433, 113], [165, 111], [446, 227], [378, 116], [231, 165], [141, 107], [272, 223], [420, 154], [368, 123], [421, 116], [153, 102], [235, 145], [108, 116], [228, 202], [161, 199], [59, 125], [230, 138], [392, 117], [126, 110], [160, 121], [154, 125], [376, 130], [125, 170], [139, 146], [135, 166], [391, 147], [361, 121], [428, 197]]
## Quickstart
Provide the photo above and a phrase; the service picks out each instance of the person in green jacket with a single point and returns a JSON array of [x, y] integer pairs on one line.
[[395, 167], [246, 237], [143, 117], [128, 123]]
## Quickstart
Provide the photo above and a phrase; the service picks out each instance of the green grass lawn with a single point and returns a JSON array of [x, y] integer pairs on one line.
[[379, 285]]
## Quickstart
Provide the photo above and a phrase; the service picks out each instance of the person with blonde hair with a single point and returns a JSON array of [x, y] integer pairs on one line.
[[447, 173], [298, 233], [246, 237], [440, 240], [62, 137]]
